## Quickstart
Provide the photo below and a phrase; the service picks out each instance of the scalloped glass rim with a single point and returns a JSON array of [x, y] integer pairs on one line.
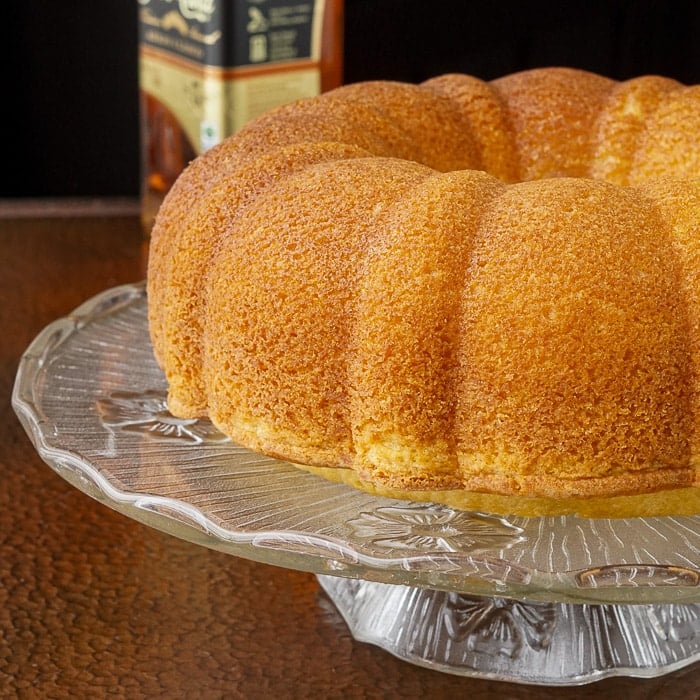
[[91, 398]]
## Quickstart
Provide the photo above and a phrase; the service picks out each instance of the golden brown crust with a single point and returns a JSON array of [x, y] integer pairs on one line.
[[388, 119], [554, 112], [339, 285], [287, 366], [178, 326], [621, 126], [668, 145], [487, 115]]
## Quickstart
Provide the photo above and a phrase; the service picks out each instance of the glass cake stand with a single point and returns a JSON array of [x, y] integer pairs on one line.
[[552, 601]]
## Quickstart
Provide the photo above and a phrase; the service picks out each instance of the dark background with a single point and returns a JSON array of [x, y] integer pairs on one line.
[[70, 106]]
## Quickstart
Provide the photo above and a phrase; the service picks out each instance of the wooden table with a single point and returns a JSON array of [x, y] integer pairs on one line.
[[93, 604]]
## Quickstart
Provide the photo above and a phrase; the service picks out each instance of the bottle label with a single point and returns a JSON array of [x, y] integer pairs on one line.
[[233, 33], [206, 67], [217, 64]]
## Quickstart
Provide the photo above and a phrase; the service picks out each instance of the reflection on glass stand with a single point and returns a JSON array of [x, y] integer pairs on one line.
[[552, 601]]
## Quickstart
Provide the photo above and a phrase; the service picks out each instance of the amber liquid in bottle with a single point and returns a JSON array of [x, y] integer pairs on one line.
[[166, 151], [179, 88]]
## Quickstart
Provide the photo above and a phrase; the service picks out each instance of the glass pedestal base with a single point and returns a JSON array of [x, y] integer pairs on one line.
[[510, 640]]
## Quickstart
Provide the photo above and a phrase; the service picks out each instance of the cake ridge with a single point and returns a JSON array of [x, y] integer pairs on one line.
[[487, 117], [301, 295], [355, 235], [405, 336], [678, 200], [621, 127]]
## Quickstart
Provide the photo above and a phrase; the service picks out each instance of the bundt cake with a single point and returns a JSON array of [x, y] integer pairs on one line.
[[484, 294]]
